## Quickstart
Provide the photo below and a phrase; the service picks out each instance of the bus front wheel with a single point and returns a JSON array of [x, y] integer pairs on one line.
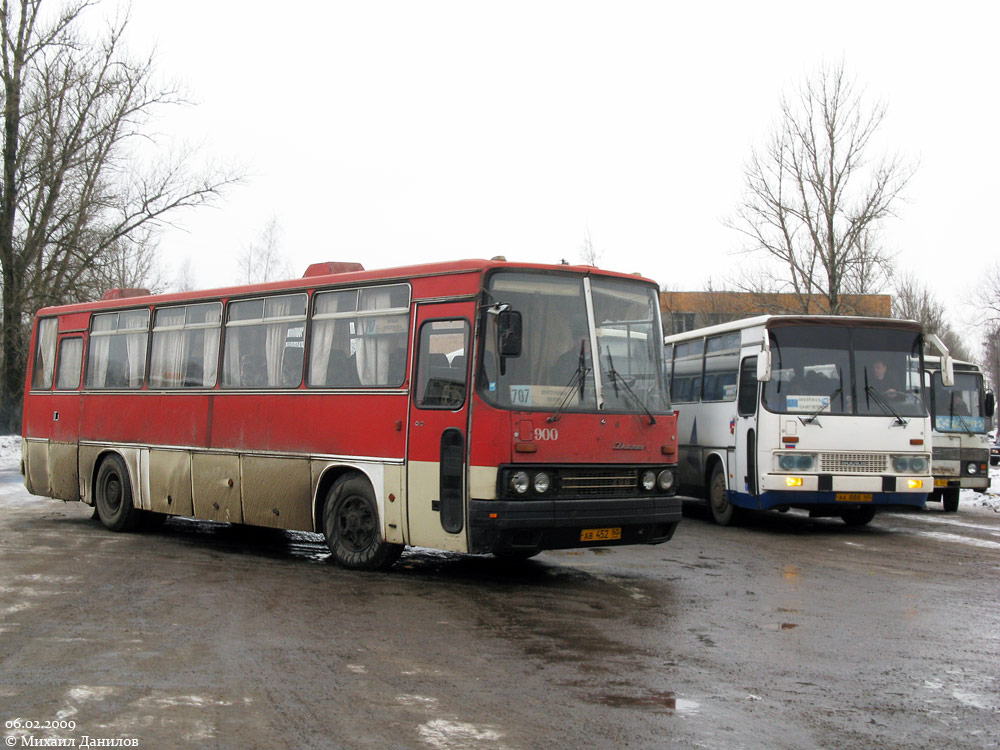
[[113, 496], [858, 516], [949, 499], [351, 527], [723, 512]]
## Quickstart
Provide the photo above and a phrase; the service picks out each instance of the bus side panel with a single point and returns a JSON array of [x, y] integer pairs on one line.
[[170, 482], [36, 465], [217, 487], [63, 481], [277, 492], [141, 418], [312, 424]]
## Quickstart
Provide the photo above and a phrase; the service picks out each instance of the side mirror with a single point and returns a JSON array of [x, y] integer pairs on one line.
[[764, 367], [947, 371], [509, 335], [990, 405]]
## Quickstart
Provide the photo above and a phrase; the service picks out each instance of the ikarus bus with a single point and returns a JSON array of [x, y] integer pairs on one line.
[[961, 416], [822, 413]]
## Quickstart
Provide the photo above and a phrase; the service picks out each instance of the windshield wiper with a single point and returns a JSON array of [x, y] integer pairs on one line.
[[615, 378], [881, 400], [966, 425], [812, 417], [579, 380]]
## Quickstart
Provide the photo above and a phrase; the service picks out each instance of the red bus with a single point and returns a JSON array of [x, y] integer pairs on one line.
[[457, 406]]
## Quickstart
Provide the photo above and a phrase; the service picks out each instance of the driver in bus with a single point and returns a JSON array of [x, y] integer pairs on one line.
[[884, 381]]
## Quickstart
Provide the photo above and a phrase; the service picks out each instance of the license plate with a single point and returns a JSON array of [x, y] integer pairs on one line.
[[940, 482], [600, 535], [854, 497]]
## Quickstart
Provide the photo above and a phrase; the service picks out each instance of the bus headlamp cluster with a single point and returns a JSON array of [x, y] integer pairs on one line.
[[909, 464], [651, 480], [521, 481], [796, 461]]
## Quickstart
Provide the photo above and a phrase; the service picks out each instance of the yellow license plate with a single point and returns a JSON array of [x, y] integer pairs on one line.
[[940, 482], [600, 535], [854, 497]]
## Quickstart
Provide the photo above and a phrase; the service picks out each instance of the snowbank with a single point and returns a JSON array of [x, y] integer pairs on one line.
[[10, 452]]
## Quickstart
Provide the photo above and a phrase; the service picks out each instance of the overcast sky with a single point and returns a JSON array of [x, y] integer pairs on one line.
[[398, 132]]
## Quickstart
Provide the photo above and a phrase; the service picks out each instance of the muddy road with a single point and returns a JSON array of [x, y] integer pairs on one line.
[[785, 633]]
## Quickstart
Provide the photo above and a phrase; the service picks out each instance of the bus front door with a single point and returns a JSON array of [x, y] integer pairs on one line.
[[437, 447], [743, 467]]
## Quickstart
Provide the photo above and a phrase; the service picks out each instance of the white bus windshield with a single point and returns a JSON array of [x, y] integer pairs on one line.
[[824, 369], [555, 369], [959, 408]]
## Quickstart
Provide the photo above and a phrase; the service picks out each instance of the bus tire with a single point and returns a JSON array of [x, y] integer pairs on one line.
[[949, 500], [351, 527], [724, 512], [113, 495], [858, 516]]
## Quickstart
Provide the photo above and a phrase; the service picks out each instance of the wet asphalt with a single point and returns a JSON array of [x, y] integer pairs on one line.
[[787, 632]]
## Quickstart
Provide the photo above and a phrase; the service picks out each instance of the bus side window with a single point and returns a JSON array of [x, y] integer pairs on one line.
[[746, 405], [70, 364], [45, 354]]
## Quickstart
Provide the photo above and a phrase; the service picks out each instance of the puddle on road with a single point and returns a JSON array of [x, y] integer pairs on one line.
[[666, 702]]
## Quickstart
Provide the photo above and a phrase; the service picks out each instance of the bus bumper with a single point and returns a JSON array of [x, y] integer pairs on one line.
[[830, 503], [523, 527]]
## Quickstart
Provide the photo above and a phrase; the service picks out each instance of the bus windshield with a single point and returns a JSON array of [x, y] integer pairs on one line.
[[556, 367], [959, 408], [840, 370]]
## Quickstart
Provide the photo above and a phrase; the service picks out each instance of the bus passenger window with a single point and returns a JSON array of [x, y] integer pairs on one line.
[[70, 364], [45, 353]]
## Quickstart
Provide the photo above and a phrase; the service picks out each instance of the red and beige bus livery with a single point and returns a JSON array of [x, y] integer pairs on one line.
[[473, 406]]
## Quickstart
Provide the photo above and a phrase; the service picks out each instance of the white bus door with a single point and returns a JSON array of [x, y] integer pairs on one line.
[[743, 469]]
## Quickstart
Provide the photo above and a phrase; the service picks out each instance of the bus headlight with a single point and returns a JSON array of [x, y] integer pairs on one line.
[[648, 480], [542, 482], [665, 479], [796, 461], [519, 482], [909, 464], [971, 468]]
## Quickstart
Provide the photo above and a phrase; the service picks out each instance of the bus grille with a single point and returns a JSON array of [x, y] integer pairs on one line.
[[599, 482], [854, 463]]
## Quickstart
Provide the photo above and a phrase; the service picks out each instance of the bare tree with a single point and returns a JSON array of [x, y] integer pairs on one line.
[[263, 260], [913, 300], [589, 254], [83, 180], [815, 200], [185, 279]]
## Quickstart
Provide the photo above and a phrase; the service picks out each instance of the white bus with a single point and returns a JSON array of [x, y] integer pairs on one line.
[[961, 416], [821, 413]]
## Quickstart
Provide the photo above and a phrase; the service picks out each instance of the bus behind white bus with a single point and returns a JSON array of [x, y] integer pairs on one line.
[[822, 413], [961, 417]]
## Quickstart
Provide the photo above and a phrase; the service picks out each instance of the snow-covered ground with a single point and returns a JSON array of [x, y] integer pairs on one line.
[[10, 459]]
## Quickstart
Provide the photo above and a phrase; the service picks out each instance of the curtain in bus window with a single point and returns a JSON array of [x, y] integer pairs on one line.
[[70, 362], [209, 315], [100, 349], [321, 342], [45, 353], [275, 337], [382, 339], [135, 345], [169, 353]]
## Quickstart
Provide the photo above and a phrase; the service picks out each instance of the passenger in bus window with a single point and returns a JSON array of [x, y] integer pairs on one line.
[[253, 371]]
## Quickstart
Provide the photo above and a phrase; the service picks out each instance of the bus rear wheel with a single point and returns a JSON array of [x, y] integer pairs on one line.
[[113, 496], [723, 512], [351, 527]]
